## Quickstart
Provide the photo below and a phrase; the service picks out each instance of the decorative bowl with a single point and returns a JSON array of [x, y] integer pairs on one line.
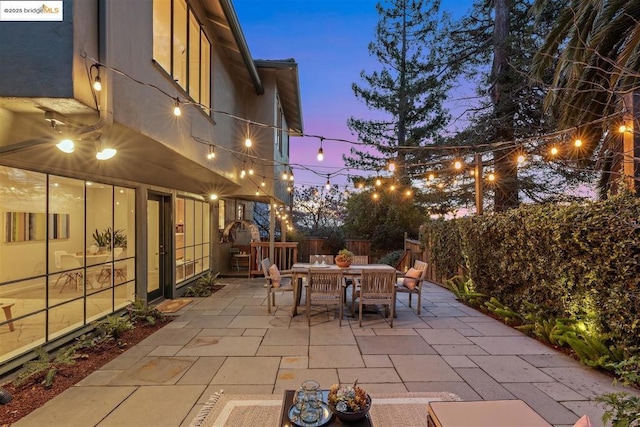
[[351, 416]]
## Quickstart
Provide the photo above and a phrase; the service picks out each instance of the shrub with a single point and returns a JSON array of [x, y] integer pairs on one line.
[[391, 258], [464, 290], [114, 326], [46, 366], [203, 287], [139, 310], [576, 261]]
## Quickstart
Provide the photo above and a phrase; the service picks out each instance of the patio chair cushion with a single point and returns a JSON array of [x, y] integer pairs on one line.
[[274, 274], [583, 422], [411, 278]]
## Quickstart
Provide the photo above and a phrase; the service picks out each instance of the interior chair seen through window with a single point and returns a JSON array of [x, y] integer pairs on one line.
[[72, 270]]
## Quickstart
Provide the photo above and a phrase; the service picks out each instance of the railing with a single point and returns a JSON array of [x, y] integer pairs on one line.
[[285, 255]]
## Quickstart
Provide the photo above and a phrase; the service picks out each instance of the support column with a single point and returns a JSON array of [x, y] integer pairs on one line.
[[272, 229], [478, 175], [631, 143]]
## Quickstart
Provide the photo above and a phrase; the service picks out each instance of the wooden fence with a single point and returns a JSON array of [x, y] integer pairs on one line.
[[286, 254]]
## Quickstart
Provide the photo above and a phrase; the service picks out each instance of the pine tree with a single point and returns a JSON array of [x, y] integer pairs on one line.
[[409, 90]]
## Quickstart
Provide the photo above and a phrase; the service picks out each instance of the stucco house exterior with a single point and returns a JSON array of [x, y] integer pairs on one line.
[[82, 237]]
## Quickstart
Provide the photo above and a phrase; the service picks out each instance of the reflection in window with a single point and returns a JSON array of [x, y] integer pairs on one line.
[[60, 283], [184, 53], [191, 238]]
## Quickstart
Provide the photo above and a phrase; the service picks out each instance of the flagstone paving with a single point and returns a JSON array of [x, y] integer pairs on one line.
[[228, 341]]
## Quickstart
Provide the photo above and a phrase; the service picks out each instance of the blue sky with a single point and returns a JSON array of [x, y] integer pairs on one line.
[[328, 39]]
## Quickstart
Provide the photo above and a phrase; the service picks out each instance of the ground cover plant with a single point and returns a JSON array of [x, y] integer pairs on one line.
[[43, 378]]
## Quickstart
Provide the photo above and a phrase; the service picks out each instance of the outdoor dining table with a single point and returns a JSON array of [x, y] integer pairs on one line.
[[300, 270]]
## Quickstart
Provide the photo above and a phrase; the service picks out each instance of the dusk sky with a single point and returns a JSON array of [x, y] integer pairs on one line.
[[328, 39]]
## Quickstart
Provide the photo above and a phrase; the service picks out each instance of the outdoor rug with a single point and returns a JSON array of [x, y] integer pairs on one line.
[[172, 305], [387, 409]]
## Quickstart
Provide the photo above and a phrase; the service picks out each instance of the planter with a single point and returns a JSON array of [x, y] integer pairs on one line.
[[343, 264]]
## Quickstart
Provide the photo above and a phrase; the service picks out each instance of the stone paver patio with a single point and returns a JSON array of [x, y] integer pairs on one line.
[[229, 342]]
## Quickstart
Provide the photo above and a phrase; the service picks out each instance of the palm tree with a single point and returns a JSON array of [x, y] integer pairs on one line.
[[591, 59]]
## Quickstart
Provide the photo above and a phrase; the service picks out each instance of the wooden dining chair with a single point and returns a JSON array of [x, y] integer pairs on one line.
[[411, 282], [360, 260], [348, 281], [324, 287], [275, 279], [375, 287], [327, 259]]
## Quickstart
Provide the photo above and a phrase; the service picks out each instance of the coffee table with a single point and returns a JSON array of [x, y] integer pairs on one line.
[[287, 401]]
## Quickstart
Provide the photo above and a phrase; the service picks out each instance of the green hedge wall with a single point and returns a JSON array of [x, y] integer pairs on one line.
[[577, 260]]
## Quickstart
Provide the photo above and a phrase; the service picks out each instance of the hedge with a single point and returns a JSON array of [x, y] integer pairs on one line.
[[579, 260]]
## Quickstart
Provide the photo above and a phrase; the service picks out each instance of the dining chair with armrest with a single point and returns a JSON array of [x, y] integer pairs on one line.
[[413, 285], [375, 287], [324, 287], [275, 279]]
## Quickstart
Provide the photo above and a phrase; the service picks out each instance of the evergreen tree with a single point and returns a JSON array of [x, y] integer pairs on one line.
[[493, 45], [383, 219], [408, 90]]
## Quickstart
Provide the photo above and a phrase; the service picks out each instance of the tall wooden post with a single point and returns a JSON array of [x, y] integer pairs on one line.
[[631, 143], [478, 175]]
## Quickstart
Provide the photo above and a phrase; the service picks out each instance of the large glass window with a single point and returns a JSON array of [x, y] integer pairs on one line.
[[192, 238], [205, 70], [66, 255], [182, 48], [179, 69], [162, 33]]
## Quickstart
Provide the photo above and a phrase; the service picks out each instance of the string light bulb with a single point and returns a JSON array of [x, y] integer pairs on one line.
[[263, 184], [243, 172], [251, 169], [247, 142], [285, 175], [392, 188], [320, 156], [361, 185], [212, 153], [554, 150], [431, 177], [214, 197], [457, 164], [623, 129], [97, 84], [375, 196], [291, 175], [408, 193], [176, 108], [328, 185], [392, 166], [577, 143], [378, 182], [492, 177], [520, 159]]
